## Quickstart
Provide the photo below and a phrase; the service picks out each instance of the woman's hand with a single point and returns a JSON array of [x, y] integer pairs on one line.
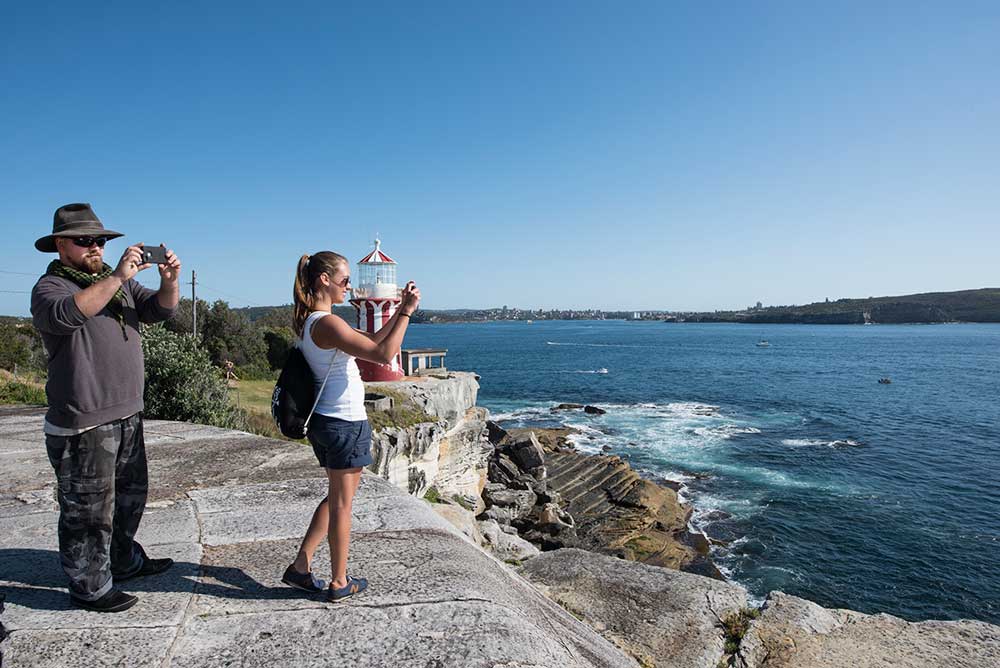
[[410, 298]]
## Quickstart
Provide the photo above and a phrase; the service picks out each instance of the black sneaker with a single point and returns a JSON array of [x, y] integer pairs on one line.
[[114, 601], [304, 581], [149, 567]]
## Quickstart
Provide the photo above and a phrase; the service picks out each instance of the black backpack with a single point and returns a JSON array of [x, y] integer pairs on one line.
[[294, 398]]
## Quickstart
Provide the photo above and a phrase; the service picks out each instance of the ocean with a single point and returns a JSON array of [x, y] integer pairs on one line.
[[811, 476]]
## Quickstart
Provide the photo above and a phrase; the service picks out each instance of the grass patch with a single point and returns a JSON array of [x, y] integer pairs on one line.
[[462, 501], [642, 547], [735, 627], [433, 495], [402, 414], [21, 392], [253, 395]]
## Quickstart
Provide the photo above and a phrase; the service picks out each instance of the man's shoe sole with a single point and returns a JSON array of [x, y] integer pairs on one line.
[[88, 605]]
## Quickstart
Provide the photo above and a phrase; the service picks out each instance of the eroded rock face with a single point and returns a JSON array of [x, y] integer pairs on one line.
[[450, 454], [528, 454], [617, 512], [660, 616], [462, 519], [446, 398], [505, 505], [792, 632], [506, 546]]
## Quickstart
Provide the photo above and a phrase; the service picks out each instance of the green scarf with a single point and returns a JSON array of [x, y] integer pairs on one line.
[[85, 280]]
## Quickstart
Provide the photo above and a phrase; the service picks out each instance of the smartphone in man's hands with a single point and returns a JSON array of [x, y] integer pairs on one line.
[[154, 255]]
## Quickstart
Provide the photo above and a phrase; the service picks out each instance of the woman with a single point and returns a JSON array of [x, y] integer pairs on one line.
[[339, 429]]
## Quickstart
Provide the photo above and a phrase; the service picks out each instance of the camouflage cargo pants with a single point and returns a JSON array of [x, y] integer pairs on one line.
[[102, 490]]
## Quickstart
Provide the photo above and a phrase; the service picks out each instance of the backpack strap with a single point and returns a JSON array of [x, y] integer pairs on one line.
[[319, 394]]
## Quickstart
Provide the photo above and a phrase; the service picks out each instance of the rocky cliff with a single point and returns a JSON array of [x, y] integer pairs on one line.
[[230, 508], [538, 500]]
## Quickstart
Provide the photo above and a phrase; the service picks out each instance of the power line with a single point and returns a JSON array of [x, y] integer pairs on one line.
[[19, 273], [220, 292], [16, 292]]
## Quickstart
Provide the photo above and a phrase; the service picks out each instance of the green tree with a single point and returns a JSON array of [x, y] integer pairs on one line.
[[182, 321], [229, 335], [276, 318]]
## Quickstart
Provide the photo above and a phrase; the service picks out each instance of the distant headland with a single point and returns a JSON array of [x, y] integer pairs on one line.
[[981, 305]]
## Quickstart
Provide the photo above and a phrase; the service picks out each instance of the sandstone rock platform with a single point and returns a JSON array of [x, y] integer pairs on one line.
[[230, 508]]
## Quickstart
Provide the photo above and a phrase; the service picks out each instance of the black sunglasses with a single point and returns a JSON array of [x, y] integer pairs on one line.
[[87, 242]]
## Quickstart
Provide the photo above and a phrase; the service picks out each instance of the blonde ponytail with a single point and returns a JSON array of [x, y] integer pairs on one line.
[[303, 291]]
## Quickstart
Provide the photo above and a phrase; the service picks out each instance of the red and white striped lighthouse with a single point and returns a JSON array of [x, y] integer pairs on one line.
[[376, 298]]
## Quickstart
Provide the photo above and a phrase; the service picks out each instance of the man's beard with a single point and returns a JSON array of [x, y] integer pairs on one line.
[[92, 264]]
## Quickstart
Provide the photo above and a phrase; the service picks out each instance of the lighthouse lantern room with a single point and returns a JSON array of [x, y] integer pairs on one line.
[[376, 297]]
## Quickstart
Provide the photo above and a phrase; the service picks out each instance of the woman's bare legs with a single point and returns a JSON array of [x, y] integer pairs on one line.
[[317, 532], [343, 485]]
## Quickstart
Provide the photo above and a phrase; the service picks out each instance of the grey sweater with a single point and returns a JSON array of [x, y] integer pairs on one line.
[[96, 375]]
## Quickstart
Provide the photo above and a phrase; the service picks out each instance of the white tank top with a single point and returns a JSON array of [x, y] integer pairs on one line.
[[344, 394]]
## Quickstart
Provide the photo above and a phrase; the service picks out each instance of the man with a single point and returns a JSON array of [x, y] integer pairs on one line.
[[88, 316]]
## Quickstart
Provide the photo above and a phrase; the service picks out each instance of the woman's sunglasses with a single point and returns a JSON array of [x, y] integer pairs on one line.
[[87, 242]]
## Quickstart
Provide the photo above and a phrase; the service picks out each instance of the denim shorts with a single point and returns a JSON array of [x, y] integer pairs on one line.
[[340, 444]]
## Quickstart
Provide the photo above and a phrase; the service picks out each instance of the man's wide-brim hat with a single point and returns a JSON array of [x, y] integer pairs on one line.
[[74, 220]]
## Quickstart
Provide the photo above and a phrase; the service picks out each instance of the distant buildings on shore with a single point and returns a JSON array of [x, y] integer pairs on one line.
[[507, 313]]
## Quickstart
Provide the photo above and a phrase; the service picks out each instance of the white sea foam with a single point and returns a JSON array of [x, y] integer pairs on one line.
[[805, 442], [586, 429], [724, 431], [593, 345], [801, 442], [692, 410]]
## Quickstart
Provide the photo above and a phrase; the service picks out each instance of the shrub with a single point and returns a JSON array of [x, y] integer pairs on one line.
[[182, 384], [256, 371], [735, 627], [21, 348], [17, 392]]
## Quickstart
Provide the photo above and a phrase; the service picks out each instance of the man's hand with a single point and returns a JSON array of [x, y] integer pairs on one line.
[[171, 271], [410, 298], [130, 264]]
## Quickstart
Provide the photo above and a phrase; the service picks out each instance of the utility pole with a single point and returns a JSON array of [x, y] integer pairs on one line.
[[194, 306]]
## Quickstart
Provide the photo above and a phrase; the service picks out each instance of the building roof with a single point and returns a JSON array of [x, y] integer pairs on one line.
[[376, 256]]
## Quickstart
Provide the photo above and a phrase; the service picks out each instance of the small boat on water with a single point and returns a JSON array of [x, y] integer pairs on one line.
[[884, 381], [601, 370], [528, 322], [763, 343]]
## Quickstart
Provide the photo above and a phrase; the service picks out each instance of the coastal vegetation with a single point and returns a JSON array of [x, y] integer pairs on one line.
[[182, 383], [14, 390], [189, 378], [932, 307]]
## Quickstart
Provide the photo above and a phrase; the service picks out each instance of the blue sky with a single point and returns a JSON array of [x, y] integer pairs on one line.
[[541, 154]]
